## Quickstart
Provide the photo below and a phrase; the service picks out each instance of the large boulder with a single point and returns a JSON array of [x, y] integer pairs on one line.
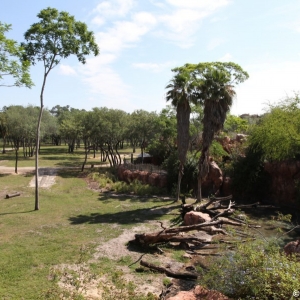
[[292, 247], [284, 182], [213, 180], [195, 217]]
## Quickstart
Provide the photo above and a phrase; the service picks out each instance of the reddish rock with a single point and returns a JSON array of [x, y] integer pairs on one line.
[[135, 175], [153, 179], [195, 217], [292, 247], [213, 180], [127, 176], [199, 293], [143, 177], [163, 180], [226, 189], [283, 177]]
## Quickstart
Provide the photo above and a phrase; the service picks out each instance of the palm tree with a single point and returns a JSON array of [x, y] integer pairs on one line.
[[182, 93], [217, 94]]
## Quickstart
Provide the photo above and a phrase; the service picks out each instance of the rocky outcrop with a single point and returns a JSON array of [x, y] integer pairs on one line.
[[213, 180], [285, 182], [292, 247], [195, 217], [153, 179]]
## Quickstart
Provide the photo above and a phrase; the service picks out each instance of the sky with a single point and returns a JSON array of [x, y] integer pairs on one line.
[[141, 41]]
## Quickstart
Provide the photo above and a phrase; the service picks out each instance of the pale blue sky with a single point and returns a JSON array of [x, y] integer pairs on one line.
[[141, 41]]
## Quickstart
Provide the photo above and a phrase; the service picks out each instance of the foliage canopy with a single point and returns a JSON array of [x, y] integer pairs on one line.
[[11, 64]]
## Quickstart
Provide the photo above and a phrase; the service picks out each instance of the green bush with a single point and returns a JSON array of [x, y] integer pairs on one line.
[[138, 188], [277, 135], [256, 270]]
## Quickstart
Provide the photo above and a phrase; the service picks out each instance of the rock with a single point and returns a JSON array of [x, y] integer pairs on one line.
[[213, 180], [292, 247], [241, 137], [226, 189], [284, 182], [195, 217], [198, 293], [145, 177]]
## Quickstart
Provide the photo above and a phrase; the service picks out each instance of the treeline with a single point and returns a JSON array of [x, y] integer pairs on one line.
[[101, 129]]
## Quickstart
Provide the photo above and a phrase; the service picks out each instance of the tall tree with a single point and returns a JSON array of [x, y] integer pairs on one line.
[[181, 92], [13, 69], [212, 86], [56, 36]]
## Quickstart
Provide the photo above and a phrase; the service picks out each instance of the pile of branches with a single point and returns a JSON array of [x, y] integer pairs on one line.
[[195, 242]]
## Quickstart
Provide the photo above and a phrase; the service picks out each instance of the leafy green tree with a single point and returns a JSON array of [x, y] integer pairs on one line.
[[56, 36], [11, 64], [71, 128], [164, 141], [3, 127], [142, 127], [277, 135], [21, 122], [234, 124]]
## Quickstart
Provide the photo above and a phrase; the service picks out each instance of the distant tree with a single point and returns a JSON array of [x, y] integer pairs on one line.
[[71, 127], [3, 128], [234, 124], [141, 128], [164, 141], [56, 36], [21, 123], [11, 64]]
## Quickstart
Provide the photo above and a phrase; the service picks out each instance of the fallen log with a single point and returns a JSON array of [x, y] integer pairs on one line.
[[168, 272], [172, 234], [12, 195]]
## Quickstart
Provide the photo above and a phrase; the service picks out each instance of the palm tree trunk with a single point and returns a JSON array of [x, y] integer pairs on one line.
[[180, 174]]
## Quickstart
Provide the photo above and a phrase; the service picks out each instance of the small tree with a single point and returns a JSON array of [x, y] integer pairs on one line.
[[56, 36], [11, 65]]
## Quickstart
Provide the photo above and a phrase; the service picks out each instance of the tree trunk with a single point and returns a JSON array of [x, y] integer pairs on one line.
[[183, 126], [87, 150], [16, 162], [4, 144], [37, 204], [180, 174]]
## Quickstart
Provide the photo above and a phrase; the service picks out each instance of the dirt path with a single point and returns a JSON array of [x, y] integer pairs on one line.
[[46, 175]]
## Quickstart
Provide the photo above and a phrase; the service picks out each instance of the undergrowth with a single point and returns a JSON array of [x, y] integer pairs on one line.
[[107, 180]]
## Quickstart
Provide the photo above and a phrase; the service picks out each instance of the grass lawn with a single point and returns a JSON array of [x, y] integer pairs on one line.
[[71, 222]]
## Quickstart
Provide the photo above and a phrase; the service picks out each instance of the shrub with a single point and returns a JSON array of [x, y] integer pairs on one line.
[[256, 270]]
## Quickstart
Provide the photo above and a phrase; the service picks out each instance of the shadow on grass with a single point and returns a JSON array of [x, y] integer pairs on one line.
[[124, 217], [16, 213], [4, 175]]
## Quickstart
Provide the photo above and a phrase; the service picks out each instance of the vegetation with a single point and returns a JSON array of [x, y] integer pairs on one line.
[[58, 35], [13, 70], [255, 270], [277, 135], [59, 245], [212, 86], [36, 247]]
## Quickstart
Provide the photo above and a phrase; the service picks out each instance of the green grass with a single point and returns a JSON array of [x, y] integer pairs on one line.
[[71, 222], [56, 156]]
